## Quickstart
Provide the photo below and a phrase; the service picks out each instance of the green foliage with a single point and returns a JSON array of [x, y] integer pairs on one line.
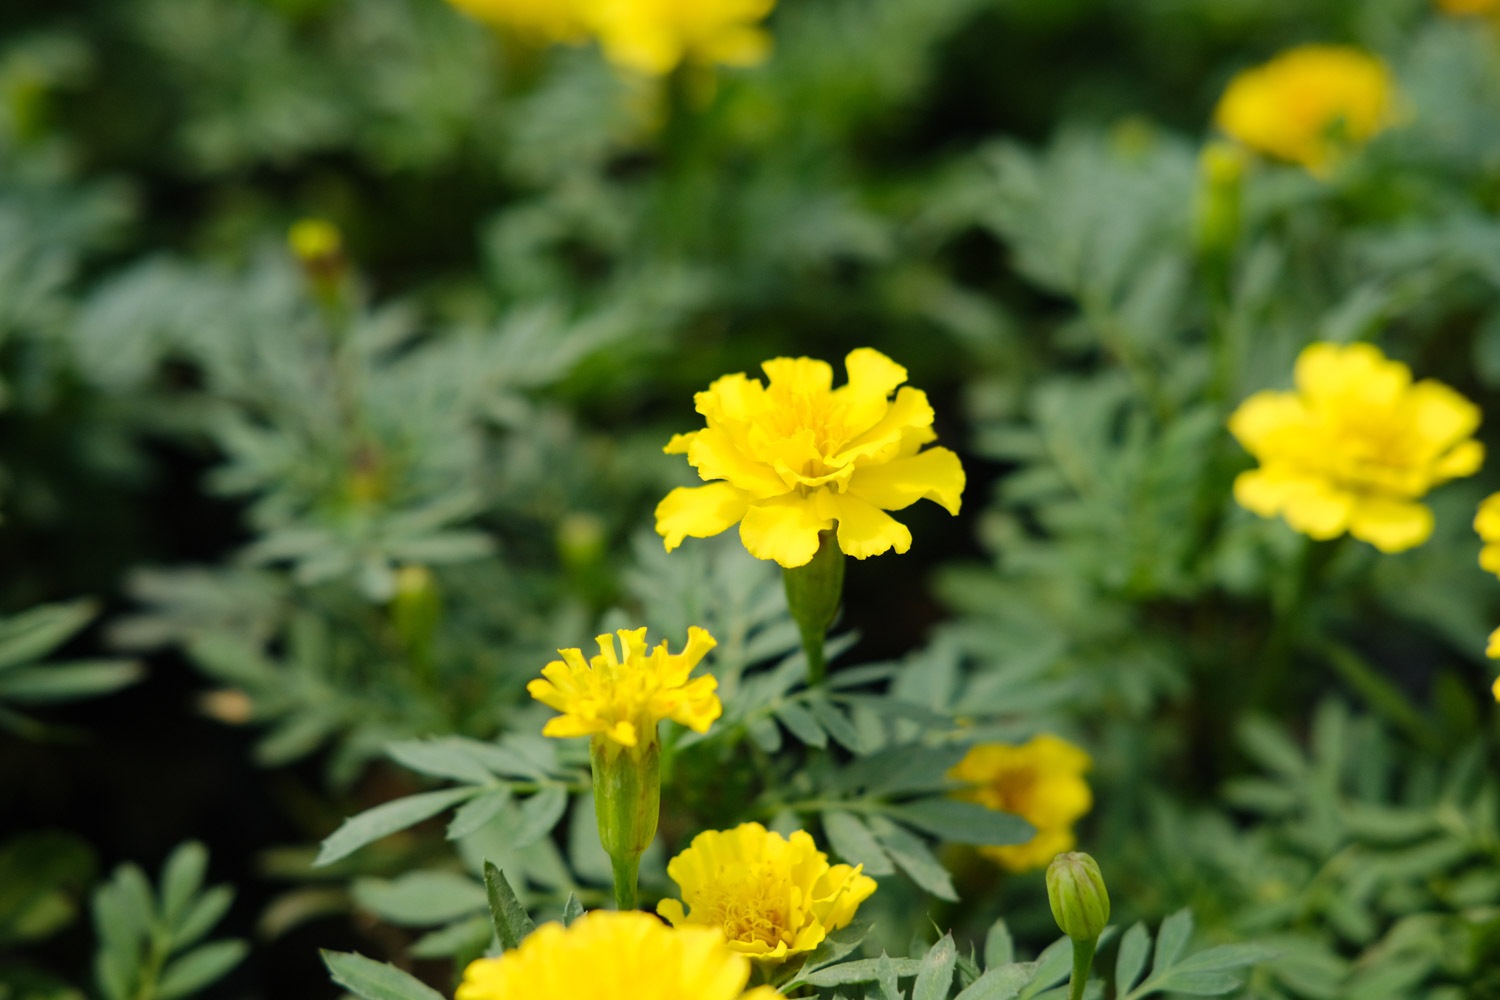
[[31, 635], [149, 942]]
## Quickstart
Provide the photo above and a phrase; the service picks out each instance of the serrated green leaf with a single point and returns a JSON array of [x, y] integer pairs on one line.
[[181, 878], [913, 857], [1003, 982], [801, 724], [1171, 938], [572, 910], [478, 812], [999, 947], [836, 723], [852, 841], [199, 968], [420, 899], [864, 970], [386, 819], [832, 948], [935, 977], [372, 980], [44, 683], [441, 758], [512, 922], [1130, 962], [201, 916], [961, 822], [538, 815], [28, 636], [1053, 965]]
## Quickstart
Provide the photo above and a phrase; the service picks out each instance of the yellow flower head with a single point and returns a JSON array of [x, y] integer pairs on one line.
[[622, 700], [1309, 104], [788, 459], [1042, 782], [614, 955], [1354, 447], [1487, 524], [656, 36], [539, 20], [772, 898]]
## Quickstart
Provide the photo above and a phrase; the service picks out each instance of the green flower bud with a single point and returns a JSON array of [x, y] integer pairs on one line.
[[1080, 903], [627, 803], [813, 592]]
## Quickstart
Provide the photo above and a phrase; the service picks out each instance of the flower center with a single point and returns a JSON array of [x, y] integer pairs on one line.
[[812, 423], [1014, 788], [752, 905]]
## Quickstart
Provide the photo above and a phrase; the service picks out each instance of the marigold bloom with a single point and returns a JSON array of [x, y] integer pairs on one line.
[[604, 955], [787, 460], [1042, 782], [656, 36], [622, 700], [1309, 104], [772, 898], [540, 20], [1354, 447]]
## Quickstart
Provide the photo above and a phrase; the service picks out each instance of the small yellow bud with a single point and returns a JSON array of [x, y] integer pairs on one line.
[[1080, 903], [315, 241]]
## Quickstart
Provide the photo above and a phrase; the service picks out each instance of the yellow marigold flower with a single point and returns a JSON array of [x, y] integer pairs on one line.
[[622, 700], [1042, 782], [1493, 652], [614, 955], [1309, 104], [772, 898], [541, 20], [787, 460], [656, 36], [1354, 447]]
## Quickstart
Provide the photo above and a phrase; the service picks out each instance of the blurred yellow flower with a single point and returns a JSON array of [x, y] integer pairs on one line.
[[1469, 6], [787, 460], [1487, 524], [773, 898], [1309, 104], [539, 20], [1354, 447], [614, 955], [656, 36], [1042, 782], [622, 700]]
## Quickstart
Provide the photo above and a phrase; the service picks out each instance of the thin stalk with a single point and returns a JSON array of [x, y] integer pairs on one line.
[[1083, 960], [626, 873]]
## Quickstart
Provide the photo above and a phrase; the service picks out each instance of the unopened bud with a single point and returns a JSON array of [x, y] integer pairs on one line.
[[1080, 903], [1221, 172], [417, 606], [627, 803]]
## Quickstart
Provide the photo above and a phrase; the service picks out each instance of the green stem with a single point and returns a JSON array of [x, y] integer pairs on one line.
[[626, 872], [813, 592], [1083, 960]]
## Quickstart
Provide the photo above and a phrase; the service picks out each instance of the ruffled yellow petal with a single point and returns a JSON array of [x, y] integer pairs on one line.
[[864, 529], [772, 897], [1391, 525], [1041, 781], [700, 511], [936, 474], [784, 529], [1464, 460]]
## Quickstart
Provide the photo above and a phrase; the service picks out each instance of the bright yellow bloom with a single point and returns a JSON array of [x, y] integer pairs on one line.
[[1309, 104], [787, 460], [656, 36], [1042, 782], [541, 20], [614, 955], [773, 898], [623, 700], [1354, 447]]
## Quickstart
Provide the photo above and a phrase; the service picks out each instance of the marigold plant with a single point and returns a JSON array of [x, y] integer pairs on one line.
[[1354, 447], [614, 956], [1041, 781], [1309, 104], [621, 699], [791, 458], [772, 897]]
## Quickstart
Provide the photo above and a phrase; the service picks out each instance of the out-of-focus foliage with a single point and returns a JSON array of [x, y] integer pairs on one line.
[[349, 506]]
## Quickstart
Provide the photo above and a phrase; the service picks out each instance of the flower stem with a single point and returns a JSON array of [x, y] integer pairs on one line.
[[813, 592], [626, 871], [1083, 960]]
